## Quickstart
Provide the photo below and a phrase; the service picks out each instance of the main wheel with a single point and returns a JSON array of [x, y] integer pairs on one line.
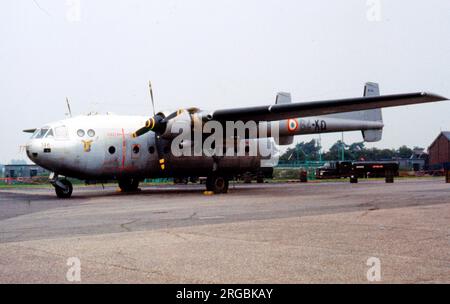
[[193, 179], [217, 184], [64, 192], [129, 184], [247, 179]]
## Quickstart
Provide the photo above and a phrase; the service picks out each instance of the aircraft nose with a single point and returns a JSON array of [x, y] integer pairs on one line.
[[32, 150]]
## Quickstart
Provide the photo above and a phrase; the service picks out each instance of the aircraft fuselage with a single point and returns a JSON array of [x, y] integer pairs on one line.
[[101, 147]]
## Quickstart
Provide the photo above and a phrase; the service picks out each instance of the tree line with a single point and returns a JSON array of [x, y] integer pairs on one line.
[[310, 151]]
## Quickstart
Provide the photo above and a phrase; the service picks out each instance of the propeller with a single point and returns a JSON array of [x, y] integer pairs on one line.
[[158, 124], [153, 123], [68, 106], [151, 96]]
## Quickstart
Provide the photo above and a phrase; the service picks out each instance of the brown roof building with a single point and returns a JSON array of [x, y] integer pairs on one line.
[[439, 150]]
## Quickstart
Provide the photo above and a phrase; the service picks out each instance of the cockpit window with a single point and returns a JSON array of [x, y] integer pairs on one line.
[[41, 133], [49, 134], [35, 133]]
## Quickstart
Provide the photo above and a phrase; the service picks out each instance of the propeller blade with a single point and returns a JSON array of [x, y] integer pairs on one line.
[[68, 107], [159, 142], [162, 163], [140, 132], [156, 124], [151, 96], [173, 115]]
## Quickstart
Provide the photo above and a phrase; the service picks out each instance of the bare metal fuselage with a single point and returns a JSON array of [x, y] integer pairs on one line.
[[101, 147]]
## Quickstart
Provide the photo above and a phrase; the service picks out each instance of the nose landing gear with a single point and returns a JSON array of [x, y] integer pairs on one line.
[[63, 187]]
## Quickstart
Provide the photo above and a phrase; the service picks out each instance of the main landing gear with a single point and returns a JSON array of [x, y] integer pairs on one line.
[[63, 187], [217, 184], [129, 184]]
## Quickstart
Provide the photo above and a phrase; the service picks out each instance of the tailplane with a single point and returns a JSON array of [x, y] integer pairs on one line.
[[370, 89]]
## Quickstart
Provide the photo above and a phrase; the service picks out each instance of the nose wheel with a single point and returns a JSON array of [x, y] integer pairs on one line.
[[63, 188]]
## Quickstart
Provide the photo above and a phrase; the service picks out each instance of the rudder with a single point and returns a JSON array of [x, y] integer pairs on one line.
[[372, 89]]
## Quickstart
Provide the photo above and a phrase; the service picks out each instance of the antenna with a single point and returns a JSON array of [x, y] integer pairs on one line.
[[151, 96], [68, 107]]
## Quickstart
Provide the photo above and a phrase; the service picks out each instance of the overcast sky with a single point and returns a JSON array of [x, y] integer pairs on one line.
[[220, 54]]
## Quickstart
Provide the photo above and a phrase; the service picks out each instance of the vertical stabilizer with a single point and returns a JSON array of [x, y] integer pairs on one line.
[[372, 89], [284, 98]]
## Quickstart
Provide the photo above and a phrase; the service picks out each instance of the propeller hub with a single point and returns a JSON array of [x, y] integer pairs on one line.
[[156, 124]]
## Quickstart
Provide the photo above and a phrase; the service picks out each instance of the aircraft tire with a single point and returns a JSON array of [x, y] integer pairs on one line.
[[128, 185], [193, 180], [64, 193], [217, 184]]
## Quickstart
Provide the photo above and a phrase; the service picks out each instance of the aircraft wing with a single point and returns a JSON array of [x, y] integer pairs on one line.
[[317, 108]]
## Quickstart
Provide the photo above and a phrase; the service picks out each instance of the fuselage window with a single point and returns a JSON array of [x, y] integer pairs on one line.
[[151, 149], [80, 132], [112, 150], [91, 133], [61, 132], [136, 149]]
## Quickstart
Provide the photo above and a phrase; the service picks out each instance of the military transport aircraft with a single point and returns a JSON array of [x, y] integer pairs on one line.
[[129, 149]]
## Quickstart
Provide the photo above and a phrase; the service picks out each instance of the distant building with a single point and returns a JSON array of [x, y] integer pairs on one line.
[[416, 162], [411, 164], [439, 151], [25, 171]]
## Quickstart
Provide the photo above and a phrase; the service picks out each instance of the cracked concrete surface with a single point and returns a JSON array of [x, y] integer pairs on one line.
[[271, 233]]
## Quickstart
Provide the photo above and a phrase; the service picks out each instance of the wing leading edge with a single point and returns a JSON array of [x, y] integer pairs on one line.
[[324, 107]]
